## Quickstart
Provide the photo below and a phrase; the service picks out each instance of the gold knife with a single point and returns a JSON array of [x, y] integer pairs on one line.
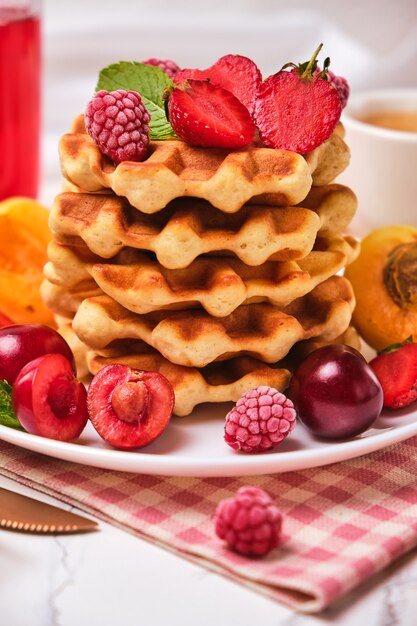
[[21, 513]]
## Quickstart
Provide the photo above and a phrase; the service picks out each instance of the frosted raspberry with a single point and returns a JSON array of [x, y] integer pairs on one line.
[[261, 419], [118, 123], [169, 67], [250, 522]]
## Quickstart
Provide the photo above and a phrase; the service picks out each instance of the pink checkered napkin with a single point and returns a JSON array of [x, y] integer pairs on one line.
[[342, 522]]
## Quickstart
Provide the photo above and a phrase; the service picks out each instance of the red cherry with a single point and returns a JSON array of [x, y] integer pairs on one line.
[[336, 393], [21, 343], [48, 400], [129, 408]]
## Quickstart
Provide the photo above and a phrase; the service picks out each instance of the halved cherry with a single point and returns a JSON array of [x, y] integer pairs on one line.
[[48, 400], [129, 408]]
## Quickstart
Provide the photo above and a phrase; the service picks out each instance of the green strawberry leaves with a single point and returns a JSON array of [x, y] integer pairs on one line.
[[150, 82], [7, 414]]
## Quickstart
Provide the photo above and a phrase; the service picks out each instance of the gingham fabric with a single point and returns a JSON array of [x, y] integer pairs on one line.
[[342, 522]]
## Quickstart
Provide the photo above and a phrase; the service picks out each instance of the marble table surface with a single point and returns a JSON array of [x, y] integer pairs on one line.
[[110, 577]]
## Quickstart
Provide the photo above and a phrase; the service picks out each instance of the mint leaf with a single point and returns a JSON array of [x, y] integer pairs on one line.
[[7, 415], [149, 81]]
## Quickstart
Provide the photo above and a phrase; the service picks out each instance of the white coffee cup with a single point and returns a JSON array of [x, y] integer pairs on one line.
[[383, 167]]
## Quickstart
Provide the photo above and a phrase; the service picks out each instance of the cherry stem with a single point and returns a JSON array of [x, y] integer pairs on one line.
[[311, 64]]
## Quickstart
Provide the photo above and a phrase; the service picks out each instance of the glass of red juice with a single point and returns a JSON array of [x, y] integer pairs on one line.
[[20, 87]]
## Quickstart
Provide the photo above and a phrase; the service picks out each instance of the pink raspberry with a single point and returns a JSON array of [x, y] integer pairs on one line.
[[169, 67], [250, 523], [261, 419], [118, 123]]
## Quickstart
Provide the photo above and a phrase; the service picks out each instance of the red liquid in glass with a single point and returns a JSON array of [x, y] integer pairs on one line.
[[19, 102]]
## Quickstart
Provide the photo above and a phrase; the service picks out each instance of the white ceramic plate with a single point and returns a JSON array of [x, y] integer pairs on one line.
[[194, 446]]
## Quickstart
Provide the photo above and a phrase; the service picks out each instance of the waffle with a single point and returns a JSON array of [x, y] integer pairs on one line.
[[189, 228], [218, 382], [334, 204], [194, 338], [226, 179], [330, 159], [64, 302], [217, 284]]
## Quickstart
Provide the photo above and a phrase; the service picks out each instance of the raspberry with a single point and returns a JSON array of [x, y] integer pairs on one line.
[[250, 522], [118, 123], [168, 66], [261, 419]]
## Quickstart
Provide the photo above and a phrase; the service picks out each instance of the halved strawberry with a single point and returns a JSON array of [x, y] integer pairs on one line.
[[203, 114], [396, 368], [297, 109], [233, 72]]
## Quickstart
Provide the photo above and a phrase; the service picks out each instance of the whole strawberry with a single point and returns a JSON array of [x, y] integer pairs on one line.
[[168, 66], [297, 109], [206, 115], [118, 123], [396, 369], [250, 522]]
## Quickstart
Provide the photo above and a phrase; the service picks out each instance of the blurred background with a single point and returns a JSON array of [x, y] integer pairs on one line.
[[373, 43]]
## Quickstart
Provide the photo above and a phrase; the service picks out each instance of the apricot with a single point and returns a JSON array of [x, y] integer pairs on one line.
[[24, 237], [384, 280]]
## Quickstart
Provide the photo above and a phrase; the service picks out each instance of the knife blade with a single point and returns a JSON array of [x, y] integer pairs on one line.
[[24, 514]]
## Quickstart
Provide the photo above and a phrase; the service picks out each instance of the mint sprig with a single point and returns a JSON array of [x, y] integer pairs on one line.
[[7, 415], [150, 82]]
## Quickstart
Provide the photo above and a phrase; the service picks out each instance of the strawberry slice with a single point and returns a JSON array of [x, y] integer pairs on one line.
[[396, 368], [297, 109], [203, 114], [233, 72]]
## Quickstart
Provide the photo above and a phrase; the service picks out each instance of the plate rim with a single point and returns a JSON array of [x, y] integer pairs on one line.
[[239, 464]]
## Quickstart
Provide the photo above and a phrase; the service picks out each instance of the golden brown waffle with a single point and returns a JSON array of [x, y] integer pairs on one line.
[[218, 284], [194, 338], [189, 228], [63, 301], [334, 204], [218, 382], [330, 159], [302, 349], [227, 179]]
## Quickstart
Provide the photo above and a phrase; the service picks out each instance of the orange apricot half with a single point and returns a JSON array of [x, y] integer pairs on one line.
[[384, 280]]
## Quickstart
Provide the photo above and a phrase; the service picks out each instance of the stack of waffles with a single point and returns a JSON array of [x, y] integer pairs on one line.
[[207, 265]]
